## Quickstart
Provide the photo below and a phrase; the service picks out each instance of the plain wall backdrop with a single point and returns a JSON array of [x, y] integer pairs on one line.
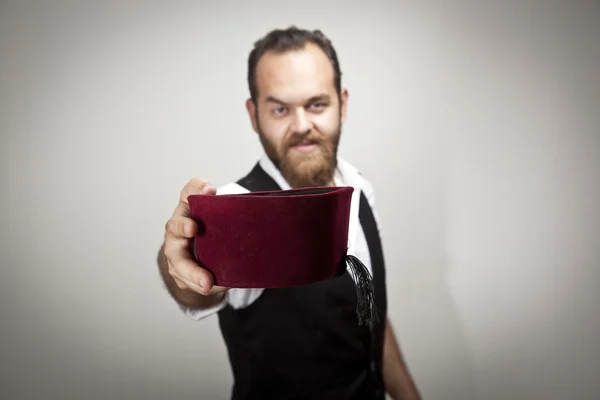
[[478, 124]]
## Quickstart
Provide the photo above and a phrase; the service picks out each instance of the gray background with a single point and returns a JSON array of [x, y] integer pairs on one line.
[[478, 124]]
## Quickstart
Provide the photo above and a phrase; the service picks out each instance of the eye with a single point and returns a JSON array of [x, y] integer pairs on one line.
[[317, 106], [279, 111]]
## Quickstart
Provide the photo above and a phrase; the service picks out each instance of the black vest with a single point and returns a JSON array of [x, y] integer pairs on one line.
[[305, 342]]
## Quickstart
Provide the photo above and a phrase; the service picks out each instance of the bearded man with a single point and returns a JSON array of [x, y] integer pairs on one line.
[[295, 342]]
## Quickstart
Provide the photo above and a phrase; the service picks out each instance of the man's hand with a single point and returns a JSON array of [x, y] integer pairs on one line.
[[187, 281]]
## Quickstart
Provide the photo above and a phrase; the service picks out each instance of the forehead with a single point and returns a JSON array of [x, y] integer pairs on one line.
[[295, 75]]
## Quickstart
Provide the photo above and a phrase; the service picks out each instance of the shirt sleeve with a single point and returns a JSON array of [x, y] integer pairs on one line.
[[198, 314], [235, 297]]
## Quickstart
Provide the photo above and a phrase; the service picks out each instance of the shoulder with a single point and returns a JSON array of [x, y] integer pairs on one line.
[[369, 192], [352, 176]]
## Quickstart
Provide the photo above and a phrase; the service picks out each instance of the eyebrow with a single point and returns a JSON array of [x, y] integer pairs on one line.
[[319, 97], [272, 99]]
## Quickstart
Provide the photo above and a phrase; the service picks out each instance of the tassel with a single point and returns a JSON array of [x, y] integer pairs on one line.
[[365, 303]]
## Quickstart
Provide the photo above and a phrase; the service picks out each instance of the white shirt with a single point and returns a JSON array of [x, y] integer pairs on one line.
[[345, 175]]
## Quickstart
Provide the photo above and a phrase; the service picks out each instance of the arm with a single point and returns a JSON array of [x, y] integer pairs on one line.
[[397, 380]]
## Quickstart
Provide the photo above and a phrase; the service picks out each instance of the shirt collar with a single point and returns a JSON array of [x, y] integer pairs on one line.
[[345, 174]]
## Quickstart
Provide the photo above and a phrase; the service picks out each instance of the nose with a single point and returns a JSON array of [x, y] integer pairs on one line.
[[301, 124]]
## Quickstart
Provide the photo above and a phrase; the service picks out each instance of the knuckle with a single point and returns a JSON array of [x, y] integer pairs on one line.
[[183, 193], [190, 228], [175, 225], [192, 185], [168, 250], [175, 228]]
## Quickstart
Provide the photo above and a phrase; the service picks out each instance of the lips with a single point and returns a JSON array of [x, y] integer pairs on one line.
[[305, 146], [305, 143]]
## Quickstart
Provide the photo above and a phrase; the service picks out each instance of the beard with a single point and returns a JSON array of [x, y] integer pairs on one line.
[[315, 168]]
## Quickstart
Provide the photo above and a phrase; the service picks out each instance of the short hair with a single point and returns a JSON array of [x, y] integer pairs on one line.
[[292, 38]]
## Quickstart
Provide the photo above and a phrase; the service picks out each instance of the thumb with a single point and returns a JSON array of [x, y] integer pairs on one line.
[[210, 190]]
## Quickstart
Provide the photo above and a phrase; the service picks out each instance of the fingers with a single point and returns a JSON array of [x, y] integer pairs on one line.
[[180, 230], [189, 275], [188, 270], [183, 266], [181, 227], [196, 186], [184, 284], [177, 247]]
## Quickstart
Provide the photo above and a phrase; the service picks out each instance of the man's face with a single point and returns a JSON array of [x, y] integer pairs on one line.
[[298, 114]]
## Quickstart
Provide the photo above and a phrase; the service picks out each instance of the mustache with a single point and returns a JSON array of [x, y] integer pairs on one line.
[[295, 139]]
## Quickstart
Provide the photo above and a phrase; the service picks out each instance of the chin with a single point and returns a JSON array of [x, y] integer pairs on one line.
[[303, 169], [312, 173], [308, 162]]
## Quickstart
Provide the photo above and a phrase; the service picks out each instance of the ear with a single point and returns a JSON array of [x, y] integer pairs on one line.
[[343, 104], [251, 107]]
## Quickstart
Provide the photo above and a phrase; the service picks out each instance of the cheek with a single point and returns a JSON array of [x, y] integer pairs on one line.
[[327, 123], [274, 131]]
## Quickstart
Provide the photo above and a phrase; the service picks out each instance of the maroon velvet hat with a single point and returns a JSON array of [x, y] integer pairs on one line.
[[277, 239]]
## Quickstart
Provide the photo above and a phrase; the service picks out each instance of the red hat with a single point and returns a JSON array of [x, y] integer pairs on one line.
[[279, 238]]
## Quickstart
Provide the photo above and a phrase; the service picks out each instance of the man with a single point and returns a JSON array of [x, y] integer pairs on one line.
[[300, 342]]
